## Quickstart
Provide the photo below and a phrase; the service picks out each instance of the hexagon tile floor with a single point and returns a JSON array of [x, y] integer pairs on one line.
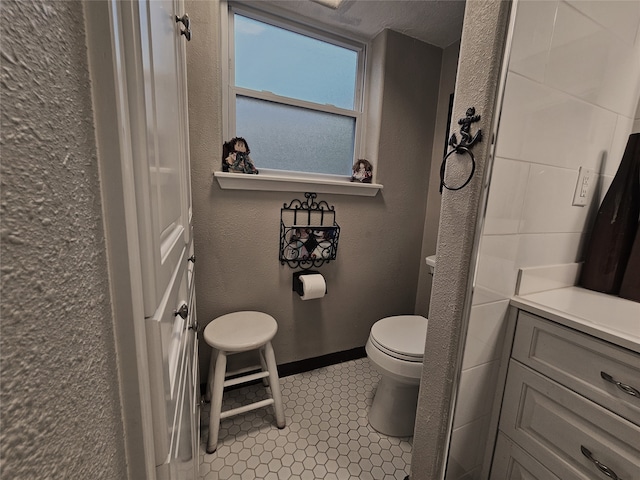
[[327, 434]]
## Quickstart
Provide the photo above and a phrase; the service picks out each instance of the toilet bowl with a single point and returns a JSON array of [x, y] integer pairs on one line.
[[395, 348]]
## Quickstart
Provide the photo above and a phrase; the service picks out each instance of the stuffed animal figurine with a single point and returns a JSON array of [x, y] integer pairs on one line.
[[235, 157], [362, 171]]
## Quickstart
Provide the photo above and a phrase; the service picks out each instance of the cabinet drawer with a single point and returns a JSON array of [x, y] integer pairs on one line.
[[579, 362], [511, 462], [553, 424]]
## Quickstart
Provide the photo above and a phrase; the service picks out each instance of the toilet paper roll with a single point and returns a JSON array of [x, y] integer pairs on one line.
[[313, 286]]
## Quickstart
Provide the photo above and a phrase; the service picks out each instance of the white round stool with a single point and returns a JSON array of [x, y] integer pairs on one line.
[[233, 333]]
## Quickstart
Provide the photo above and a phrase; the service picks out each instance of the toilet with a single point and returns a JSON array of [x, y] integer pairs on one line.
[[395, 348]]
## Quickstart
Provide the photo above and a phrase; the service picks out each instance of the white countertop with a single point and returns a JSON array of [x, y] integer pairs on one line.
[[610, 318]]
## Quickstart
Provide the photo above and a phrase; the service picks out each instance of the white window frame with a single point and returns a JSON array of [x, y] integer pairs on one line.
[[283, 177]]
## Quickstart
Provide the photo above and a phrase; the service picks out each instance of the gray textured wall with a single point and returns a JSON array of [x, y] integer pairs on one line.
[[236, 232], [481, 51], [60, 408]]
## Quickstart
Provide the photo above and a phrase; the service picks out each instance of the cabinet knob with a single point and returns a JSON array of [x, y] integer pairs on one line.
[[183, 311]]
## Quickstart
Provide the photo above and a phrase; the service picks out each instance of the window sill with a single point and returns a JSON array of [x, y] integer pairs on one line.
[[279, 181]]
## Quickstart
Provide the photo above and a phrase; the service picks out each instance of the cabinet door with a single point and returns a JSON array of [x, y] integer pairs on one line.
[[167, 347], [579, 362], [567, 433], [184, 454], [162, 181], [510, 462], [185, 458], [195, 389]]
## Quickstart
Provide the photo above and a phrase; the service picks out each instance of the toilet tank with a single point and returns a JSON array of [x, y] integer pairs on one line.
[[431, 261]]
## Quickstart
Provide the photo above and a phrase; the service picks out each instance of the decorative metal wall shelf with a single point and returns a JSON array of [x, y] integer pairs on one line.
[[308, 233]]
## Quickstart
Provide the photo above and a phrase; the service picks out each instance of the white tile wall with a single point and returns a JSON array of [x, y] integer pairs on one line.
[[621, 17], [472, 475], [485, 334], [571, 100], [548, 277], [482, 295], [534, 29], [496, 270], [547, 205], [506, 196], [549, 249], [465, 452], [624, 126], [546, 126], [591, 62], [475, 393], [577, 41]]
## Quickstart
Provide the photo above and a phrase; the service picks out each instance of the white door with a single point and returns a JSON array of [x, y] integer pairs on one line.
[[163, 201], [164, 193], [138, 67]]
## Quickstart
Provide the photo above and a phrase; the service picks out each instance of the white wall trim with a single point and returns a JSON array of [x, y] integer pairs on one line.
[[280, 181]]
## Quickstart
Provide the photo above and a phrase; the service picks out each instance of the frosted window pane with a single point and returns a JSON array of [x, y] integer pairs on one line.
[[284, 137], [293, 65]]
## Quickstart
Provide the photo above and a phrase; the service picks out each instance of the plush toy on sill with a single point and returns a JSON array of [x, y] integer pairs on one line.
[[362, 171], [235, 157]]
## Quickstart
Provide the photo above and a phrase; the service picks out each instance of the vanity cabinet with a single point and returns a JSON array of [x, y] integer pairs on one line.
[[571, 406]]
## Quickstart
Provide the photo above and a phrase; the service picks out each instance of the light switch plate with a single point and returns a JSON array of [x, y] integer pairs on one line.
[[584, 187]]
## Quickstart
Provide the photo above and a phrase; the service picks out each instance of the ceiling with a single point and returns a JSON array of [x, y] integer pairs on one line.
[[437, 22]]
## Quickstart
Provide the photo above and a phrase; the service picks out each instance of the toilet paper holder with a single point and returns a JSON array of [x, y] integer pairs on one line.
[[297, 283]]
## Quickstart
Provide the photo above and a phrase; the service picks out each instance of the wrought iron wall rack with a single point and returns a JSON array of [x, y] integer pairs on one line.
[[308, 233]]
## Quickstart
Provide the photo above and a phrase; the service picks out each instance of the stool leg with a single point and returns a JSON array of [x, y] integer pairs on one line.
[[274, 383], [212, 366], [263, 364], [216, 401]]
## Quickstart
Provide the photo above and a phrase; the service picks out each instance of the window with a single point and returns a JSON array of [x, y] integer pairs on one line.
[[294, 93]]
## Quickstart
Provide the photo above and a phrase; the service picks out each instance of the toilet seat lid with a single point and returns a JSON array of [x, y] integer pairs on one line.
[[402, 335]]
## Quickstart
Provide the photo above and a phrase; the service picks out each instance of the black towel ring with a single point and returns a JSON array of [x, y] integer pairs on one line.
[[462, 150]]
